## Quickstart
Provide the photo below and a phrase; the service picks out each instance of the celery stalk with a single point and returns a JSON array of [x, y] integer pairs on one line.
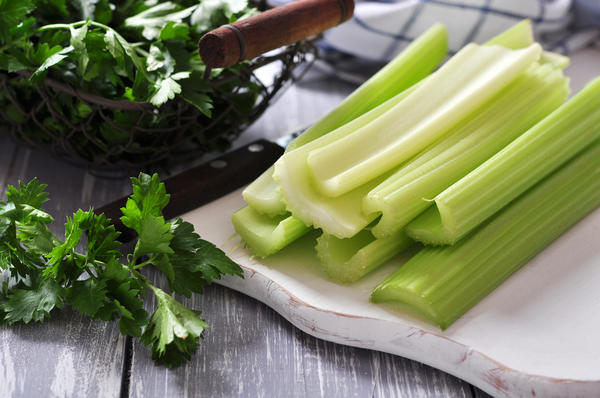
[[417, 61], [444, 282], [266, 235], [348, 260], [516, 37], [341, 216], [526, 101], [468, 80], [503, 177]]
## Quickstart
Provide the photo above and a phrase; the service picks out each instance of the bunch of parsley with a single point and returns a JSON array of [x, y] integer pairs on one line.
[[133, 50], [45, 272]]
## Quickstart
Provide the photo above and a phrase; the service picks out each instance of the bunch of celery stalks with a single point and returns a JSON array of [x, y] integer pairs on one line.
[[481, 161]]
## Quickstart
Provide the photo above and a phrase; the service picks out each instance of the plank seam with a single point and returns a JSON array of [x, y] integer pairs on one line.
[[127, 365]]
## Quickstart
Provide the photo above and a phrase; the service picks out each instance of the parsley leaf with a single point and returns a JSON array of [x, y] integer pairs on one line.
[[47, 272], [32, 303], [87, 296], [173, 330]]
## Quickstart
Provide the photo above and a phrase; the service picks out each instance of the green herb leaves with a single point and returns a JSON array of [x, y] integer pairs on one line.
[[136, 50], [173, 331], [46, 272]]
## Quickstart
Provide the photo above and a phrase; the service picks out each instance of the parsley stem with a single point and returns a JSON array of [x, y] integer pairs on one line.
[[142, 278], [140, 265]]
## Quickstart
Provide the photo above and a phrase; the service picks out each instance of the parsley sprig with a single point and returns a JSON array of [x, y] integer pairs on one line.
[[44, 272]]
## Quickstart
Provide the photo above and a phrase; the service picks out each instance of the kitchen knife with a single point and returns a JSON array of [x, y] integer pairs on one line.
[[209, 181]]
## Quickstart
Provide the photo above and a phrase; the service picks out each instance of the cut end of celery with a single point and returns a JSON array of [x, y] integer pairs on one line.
[[266, 235], [433, 227], [335, 255], [390, 292], [557, 61], [348, 260], [262, 195]]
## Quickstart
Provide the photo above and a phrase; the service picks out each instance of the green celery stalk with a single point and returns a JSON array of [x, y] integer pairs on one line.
[[463, 84], [348, 260], [266, 235], [341, 216], [417, 61], [516, 37], [419, 57], [442, 283], [503, 177], [526, 101]]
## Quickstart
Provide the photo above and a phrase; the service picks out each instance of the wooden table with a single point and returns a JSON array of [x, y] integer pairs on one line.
[[249, 350]]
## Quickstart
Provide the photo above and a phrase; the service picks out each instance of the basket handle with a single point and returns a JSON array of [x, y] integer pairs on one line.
[[279, 26]]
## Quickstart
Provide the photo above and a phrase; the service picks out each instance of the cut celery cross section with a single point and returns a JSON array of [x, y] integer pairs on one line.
[[266, 235], [348, 260], [444, 282], [503, 177], [403, 196], [469, 79]]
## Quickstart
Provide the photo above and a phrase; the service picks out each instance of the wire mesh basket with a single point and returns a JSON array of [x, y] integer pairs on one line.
[[113, 137]]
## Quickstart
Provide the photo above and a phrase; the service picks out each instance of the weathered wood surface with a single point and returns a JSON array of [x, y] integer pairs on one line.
[[68, 355], [249, 351]]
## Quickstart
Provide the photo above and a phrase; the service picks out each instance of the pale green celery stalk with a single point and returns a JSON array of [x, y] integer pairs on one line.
[[503, 177], [266, 235], [516, 37], [443, 283], [417, 61], [348, 260], [341, 216], [526, 101], [467, 81]]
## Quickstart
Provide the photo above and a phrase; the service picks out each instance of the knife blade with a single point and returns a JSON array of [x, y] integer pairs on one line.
[[200, 185]]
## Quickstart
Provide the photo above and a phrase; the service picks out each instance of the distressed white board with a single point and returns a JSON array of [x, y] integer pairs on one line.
[[536, 335]]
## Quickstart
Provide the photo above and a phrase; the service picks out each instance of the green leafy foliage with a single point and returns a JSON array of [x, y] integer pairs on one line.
[[137, 50], [47, 272], [173, 330]]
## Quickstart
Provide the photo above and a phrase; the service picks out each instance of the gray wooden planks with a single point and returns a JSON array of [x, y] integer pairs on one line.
[[68, 355]]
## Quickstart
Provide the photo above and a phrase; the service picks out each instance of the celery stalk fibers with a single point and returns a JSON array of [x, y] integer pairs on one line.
[[463, 84], [506, 175], [444, 282], [403, 196]]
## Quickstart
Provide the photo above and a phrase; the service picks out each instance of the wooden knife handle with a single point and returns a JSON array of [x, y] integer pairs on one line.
[[279, 26], [205, 183]]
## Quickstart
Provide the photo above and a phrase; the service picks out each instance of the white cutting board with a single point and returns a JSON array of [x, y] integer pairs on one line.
[[537, 335]]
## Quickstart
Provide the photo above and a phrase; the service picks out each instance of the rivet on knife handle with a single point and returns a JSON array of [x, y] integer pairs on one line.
[[205, 183], [279, 26]]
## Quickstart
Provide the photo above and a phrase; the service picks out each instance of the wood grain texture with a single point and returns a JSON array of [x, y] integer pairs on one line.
[[274, 28], [68, 355]]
